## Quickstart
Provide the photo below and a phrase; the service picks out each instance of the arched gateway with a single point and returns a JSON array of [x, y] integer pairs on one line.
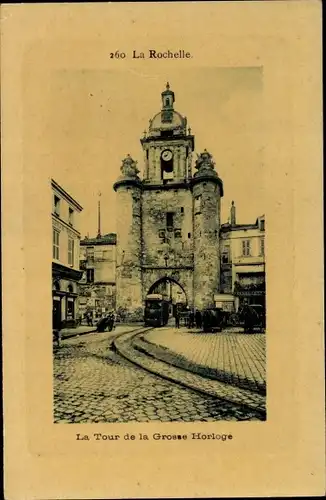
[[175, 285], [168, 221], [171, 290]]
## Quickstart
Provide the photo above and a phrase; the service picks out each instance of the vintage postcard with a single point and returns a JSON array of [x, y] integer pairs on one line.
[[162, 227]]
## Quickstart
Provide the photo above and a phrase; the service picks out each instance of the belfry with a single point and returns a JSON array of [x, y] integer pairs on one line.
[[168, 221]]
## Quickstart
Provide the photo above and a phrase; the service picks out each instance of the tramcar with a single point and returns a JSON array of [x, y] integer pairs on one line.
[[156, 310]]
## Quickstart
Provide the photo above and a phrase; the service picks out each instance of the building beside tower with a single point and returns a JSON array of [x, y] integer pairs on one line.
[[98, 283], [243, 261], [65, 257], [169, 221], [98, 264]]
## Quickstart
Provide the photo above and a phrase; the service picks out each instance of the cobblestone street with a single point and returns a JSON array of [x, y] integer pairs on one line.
[[92, 383], [235, 357]]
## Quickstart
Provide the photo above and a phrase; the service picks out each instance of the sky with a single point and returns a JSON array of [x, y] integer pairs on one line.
[[94, 118]]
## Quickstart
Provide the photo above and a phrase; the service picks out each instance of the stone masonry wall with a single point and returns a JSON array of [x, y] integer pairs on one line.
[[178, 249], [155, 206], [206, 243]]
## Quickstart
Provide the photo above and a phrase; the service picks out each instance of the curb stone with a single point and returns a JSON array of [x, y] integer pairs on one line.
[[163, 353]]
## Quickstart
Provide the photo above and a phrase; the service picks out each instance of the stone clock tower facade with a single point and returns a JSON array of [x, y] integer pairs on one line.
[[168, 221]]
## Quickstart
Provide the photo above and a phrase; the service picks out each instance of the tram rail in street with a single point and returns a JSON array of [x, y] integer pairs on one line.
[[137, 358]]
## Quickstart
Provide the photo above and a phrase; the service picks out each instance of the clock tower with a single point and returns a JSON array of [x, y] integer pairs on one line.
[[167, 145], [168, 228]]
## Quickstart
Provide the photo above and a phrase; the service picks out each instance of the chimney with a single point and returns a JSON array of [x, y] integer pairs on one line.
[[233, 217]]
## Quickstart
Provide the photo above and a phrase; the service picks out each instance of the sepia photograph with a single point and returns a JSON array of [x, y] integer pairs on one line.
[[158, 273], [162, 250]]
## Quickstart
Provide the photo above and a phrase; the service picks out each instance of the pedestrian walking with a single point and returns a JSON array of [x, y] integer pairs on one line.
[[191, 319], [177, 320], [111, 321], [198, 319], [57, 337], [89, 319], [247, 317]]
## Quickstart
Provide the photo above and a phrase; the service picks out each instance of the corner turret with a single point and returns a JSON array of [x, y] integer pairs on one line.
[[207, 190], [129, 173], [129, 226], [205, 166]]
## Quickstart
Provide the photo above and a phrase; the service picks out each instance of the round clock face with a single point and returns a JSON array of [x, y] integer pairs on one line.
[[167, 155]]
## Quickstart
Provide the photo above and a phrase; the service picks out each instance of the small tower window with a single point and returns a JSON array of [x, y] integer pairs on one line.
[[198, 204], [226, 255], [166, 118], [90, 275], [181, 210], [169, 220], [189, 235]]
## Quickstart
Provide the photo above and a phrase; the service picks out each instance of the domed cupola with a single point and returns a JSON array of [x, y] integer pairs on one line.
[[167, 122], [129, 173], [205, 166]]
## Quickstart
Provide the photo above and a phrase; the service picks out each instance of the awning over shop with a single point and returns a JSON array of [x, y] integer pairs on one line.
[[63, 272]]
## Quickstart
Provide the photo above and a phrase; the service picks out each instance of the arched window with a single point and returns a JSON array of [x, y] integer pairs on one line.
[[70, 289]]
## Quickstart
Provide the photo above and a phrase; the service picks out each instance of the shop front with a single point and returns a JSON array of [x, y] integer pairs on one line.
[[251, 290], [224, 302], [65, 311]]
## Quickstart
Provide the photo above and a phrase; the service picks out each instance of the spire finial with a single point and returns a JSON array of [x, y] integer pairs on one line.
[[233, 214], [167, 86], [99, 215]]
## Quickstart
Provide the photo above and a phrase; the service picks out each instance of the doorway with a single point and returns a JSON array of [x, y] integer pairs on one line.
[[56, 313]]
